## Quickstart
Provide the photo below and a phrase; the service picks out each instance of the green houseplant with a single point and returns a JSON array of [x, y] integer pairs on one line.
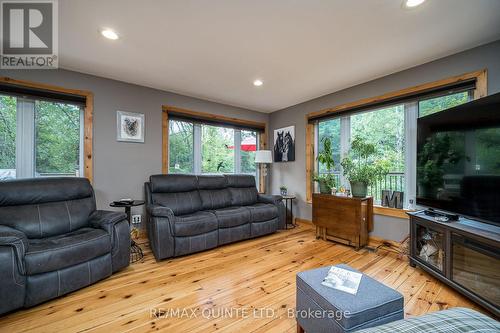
[[362, 168], [325, 157], [283, 190]]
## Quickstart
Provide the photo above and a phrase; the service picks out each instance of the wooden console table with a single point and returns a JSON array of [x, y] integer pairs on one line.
[[346, 220]]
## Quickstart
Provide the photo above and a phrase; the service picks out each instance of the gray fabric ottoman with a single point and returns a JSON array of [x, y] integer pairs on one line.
[[322, 309]]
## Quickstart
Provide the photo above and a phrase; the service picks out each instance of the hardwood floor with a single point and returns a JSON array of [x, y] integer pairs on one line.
[[256, 274]]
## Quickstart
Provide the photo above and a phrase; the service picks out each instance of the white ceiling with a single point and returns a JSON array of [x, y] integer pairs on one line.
[[301, 49]]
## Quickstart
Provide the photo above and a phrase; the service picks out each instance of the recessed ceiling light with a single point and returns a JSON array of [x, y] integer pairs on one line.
[[109, 34], [258, 83], [413, 3]]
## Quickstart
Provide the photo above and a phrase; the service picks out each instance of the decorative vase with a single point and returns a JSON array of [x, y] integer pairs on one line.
[[283, 191], [323, 187], [359, 189]]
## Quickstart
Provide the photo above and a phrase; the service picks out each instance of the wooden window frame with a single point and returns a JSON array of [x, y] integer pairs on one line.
[[88, 164], [167, 109], [481, 90]]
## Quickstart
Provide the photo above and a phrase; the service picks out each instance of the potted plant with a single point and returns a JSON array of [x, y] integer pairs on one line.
[[283, 190], [361, 167], [326, 181]]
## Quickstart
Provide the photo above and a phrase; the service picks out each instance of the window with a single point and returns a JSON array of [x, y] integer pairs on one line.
[[217, 149], [40, 138], [248, 146], [384, 128], [181, 147], [391, 130], [207, 149], [436, 104], [8, 135]]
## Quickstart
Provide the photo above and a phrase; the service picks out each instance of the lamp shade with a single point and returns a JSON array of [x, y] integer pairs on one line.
[[263, 156]]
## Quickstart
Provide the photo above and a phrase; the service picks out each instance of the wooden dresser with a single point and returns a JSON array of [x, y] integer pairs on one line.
[[343, 219]]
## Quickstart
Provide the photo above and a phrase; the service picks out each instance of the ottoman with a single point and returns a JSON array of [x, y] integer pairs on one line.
[[323, 309]]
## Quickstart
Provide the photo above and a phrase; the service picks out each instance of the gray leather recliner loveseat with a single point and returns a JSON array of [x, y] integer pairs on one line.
[[188, 213], [53, 240]]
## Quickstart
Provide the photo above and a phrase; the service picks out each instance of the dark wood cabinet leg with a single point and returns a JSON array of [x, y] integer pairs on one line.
[[412, 264], [299, 328]]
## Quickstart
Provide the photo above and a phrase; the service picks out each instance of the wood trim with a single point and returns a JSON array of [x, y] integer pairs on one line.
[[88, 161], [213, 117], [309, 160], [301, 220], [481, 85], [374, 241], [88, 165], [164, 142], [166, 109], [388, 211], [481, 91], [262, 146]]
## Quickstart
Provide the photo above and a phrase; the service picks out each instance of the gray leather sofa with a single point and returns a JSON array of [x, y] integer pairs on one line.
[[188, 213], [53, 240]]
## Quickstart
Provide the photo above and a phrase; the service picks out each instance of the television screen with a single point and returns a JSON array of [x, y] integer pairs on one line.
[[458, 160]]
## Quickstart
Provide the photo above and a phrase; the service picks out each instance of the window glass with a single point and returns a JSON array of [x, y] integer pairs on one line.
[[386, 130], [57, 139], [248, 147], [180, 147], [217, 149], [8, 137], [436, 104], [330, 129]]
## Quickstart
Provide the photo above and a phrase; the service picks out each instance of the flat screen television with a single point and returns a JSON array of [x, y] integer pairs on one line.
[[458, 160]]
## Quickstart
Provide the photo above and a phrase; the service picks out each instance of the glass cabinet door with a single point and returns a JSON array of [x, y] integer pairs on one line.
[[430, 246]]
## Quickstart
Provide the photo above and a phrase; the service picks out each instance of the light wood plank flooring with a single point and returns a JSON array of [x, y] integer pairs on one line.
[[256, 274]]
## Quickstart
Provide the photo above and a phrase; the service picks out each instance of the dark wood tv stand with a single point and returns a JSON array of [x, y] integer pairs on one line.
[[464, 254]]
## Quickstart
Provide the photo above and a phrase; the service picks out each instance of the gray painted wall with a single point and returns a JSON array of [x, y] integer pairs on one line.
[[121, 168], [293, 174]]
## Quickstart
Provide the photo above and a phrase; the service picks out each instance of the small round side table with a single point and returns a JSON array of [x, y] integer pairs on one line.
[[136, 253], [289, 216]]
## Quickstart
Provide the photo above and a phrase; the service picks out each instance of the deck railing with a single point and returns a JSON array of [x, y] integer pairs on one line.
[[394, 181]]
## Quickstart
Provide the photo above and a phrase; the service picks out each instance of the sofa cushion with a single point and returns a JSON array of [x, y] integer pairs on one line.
[[261, 212], [263, 228], [240, 181], [177, 192], [232, 216], [213, 192], [57, 252], [194, 224], [242, 189], [46, 207], [180, 203], [173, 183]]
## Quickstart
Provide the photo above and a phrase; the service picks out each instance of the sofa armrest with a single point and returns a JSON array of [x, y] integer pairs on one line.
[[160, 233], [159, 211], [270, 198], [17, 240], [276, 200], [104, 218], [116, 224]]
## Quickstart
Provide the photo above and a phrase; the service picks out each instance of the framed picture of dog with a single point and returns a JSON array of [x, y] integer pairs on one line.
[[284, 144]]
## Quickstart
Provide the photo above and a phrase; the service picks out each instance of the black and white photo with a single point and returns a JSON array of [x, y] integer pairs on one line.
[[284, 144]]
